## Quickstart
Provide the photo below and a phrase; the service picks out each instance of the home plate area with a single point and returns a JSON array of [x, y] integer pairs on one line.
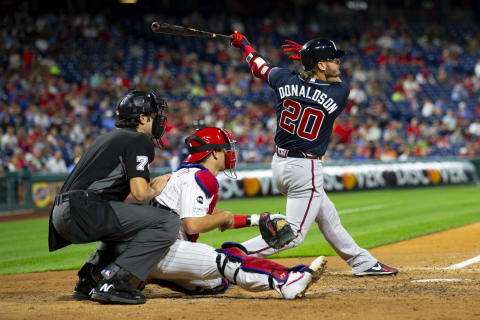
[[439, 278]]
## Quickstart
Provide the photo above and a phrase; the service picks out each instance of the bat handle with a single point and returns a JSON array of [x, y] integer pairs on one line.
[[155, 26], [222, 36]]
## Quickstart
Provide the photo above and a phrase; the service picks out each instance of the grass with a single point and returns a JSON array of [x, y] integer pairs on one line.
[[377, 218]]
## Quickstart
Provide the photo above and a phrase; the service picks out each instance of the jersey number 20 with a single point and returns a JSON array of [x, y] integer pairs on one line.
[[292, 111]]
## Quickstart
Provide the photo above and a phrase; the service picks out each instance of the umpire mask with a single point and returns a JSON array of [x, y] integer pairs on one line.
[[160, 121]]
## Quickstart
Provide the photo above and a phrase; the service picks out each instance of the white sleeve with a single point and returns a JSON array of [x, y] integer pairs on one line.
[[193, 201]]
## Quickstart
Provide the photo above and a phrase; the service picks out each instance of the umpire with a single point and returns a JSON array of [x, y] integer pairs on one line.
[[90, 205]]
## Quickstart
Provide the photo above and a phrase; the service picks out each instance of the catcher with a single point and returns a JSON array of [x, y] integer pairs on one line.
[[197, 268]]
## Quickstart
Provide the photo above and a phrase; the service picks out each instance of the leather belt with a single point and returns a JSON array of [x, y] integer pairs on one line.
[[61, 198], [156, 204], [284, 153]]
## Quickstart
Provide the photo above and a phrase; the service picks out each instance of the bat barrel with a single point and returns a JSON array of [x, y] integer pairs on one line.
[[161, 27]]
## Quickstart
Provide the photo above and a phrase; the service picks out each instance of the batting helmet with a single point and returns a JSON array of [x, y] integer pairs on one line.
[[136, 103], [318, 50], [204, 141]]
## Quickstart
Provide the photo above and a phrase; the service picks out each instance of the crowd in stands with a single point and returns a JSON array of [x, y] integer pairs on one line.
[[414, 89]]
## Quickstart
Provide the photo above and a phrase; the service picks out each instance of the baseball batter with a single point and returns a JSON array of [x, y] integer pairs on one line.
[[197, 268], [307, 106]]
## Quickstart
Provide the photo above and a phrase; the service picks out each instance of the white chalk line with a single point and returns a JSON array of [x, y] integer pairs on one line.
[[367, 208], [463, 264], [440, 280], [456, 266]]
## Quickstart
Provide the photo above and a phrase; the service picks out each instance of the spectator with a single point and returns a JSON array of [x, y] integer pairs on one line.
[[33, 162], [464, 114], [41, 120], [36, 134], [428, 107], [398, 93], [358, 74], [404, 153], [450, 120], [383, 75], [456, 138], [357, 94], [16, 161], [459, 92], [474, 128], [9, 139], [442, 75], [374, 133], [413, 105], [440, 103], [477, 69], [56, 164], [413, 129], [388, 153], [52, 137], [424, 76], [343, 130], [410, 86]]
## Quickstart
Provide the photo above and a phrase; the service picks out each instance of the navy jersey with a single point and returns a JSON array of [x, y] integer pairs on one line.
[[305, 111]]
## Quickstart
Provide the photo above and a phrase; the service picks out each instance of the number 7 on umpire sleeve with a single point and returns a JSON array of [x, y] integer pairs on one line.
[[141, 162], [292, 112]]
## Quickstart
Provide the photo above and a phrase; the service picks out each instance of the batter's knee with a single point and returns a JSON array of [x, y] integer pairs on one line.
[[297, 241]]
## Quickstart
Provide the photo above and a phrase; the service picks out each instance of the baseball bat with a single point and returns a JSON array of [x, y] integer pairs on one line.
[[163, 27]]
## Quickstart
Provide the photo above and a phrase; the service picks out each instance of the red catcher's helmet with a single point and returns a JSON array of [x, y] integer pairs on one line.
[[204, 141]]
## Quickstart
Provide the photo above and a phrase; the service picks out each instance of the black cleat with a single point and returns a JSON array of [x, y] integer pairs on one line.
[[87, 281], [83, 290], [117, 291], [379, 269]]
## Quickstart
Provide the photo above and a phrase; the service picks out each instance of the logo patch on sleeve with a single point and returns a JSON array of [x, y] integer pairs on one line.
[[200, 199]]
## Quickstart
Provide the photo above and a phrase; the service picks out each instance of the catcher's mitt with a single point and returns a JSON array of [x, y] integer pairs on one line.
[[276, 232]]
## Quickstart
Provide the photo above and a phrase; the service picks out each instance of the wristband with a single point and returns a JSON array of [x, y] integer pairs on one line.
[[254, 220]]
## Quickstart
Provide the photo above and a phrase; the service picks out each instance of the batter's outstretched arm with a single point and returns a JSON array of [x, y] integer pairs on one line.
[[259, 66]]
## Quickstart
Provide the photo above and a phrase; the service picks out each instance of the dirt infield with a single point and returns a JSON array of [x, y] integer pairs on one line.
[[338, 295]]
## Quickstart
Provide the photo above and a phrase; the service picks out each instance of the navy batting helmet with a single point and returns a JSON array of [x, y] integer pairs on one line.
[[318, 50]]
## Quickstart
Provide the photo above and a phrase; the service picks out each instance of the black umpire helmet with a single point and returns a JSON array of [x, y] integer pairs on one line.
[[318, 50], [136, 103]]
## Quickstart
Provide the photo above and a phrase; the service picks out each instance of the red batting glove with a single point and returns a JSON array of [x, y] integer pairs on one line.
[[239, 40], [292, 47]]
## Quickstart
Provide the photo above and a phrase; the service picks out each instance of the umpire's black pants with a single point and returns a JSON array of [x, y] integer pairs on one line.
[[145, 235]]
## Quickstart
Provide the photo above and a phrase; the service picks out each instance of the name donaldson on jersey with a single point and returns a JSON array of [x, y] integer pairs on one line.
[[302, 91]]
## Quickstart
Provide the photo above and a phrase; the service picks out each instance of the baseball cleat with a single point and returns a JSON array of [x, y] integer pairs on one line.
[[299, 281], [117, 291], [83, 290], [87, 281], [379, 269]]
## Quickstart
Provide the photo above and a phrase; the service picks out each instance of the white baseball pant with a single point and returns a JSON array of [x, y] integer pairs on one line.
[[301, 180], [192, 264]]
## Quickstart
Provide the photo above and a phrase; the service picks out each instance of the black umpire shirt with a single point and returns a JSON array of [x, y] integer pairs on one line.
[[105, 168], [110, 162]]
